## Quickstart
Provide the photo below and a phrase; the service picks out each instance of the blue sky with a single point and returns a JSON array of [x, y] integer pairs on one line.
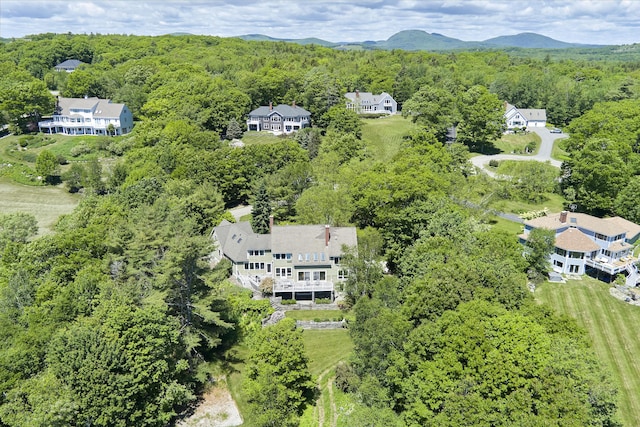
[[578, 21]]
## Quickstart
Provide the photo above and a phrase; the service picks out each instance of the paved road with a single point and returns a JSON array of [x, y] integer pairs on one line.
[[240, 211], [543, 155]]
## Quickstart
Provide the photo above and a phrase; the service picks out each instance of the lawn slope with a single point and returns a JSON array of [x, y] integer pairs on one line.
[[611, 324]]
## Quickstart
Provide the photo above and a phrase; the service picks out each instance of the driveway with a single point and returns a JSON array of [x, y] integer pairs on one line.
[[240, 211], [544, 153]]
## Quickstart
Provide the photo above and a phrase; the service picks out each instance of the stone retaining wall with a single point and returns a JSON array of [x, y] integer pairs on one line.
[[304, 324]]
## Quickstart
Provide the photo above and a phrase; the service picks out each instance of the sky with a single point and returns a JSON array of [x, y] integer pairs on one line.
[[576, 21]]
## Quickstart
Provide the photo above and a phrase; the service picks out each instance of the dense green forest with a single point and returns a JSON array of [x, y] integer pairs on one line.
[[117, 319]]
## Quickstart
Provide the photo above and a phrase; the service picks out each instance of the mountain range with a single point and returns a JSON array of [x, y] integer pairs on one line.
[[421, 40]]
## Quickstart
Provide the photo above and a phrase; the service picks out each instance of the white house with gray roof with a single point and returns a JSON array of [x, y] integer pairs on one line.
[[88, 116], [584, 242], [524, 118], [303, 260], [279, 119], [69, 65], [368, 103]]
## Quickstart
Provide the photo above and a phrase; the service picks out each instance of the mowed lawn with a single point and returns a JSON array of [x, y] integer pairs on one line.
[[45, 203], [384, 135], [612, 324]]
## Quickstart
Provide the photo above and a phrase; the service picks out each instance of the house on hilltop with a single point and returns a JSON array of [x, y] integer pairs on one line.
[[587, 244], [280, 119], [69, 65], [303, 260], [524, 118], [368, 103], [88, 116]]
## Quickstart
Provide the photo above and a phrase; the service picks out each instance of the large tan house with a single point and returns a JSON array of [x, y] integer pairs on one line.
[[303, 260]]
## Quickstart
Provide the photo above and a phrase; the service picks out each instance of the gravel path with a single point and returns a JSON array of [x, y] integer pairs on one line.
[[217, 409]]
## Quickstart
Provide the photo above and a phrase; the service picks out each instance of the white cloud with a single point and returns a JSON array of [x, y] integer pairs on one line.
[[581, 21]]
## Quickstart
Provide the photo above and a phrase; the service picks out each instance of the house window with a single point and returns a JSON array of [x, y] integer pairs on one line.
[[319, 275], [315, 256], [574, 268], [576, 255], [304, 275], [306, 257], [343, 274], [322, 256], [557, 263], [561, 252], [336, 260], [601, 237]]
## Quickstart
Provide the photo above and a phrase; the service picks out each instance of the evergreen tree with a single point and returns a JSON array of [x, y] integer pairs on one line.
[[234, 131], [261, 211]]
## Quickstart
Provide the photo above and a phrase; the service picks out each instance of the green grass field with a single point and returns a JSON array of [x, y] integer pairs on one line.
[[45, 203], [554, 202], [515, 144], [265, 137], [611, 325], [384, 135]]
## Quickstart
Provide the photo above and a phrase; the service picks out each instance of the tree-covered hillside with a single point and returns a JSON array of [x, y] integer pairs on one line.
[[117, 319]]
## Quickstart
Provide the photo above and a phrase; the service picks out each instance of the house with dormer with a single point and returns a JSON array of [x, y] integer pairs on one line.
[[587, 244], [281, 119], [304, 261], [88, 116], [368, 103], [523, 117]]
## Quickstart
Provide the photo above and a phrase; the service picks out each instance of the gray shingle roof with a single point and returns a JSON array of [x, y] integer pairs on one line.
[[236, 239], [69, 63], [100, 107], [282, 109], [310, 239], [366, 97]]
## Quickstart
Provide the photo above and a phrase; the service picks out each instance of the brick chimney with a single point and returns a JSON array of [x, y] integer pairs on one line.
[[270, 223], [357, 93], [563, 217], [293, 104], [270, 105], [327, 234]]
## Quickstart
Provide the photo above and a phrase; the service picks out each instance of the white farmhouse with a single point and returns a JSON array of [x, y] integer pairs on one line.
[[88, 116], [524, 118], [368, 103]]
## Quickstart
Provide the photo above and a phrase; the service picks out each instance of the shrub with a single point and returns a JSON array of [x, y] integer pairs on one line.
[[25, 140], [288, 302], [62, 160], [323, 301], [346, 378], [80, 149], [266, 286], [494, 163]]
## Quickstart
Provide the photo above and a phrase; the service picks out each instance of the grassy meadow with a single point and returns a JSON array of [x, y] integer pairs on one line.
[[611, 326], [384, 135], [45, 203], [517, 143]]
